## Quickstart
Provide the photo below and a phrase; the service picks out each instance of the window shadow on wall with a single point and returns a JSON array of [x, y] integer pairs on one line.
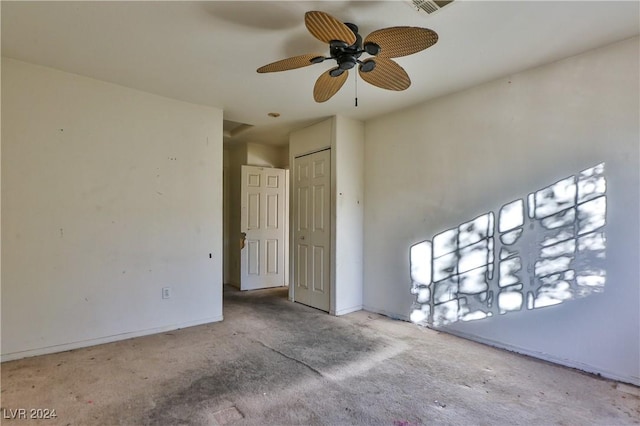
[[544, 250]]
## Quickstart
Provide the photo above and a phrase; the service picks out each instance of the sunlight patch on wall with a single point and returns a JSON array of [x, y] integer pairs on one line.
[[543, 252]]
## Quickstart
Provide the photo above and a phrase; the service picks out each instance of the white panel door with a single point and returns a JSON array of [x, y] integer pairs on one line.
[[262, 223], [312, 229]]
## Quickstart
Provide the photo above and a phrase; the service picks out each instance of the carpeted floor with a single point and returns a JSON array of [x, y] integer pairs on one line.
[[273, 362]]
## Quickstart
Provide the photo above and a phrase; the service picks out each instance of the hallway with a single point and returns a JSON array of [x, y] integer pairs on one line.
[[275, 362]]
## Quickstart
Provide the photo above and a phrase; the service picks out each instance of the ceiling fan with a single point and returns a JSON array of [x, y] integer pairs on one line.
[[346, 46]]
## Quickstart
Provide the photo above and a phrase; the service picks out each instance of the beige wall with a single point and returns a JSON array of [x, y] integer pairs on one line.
[[442, 163], [109, 194]]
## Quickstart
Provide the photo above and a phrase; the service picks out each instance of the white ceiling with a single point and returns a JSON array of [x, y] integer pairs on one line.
[[208, 52]]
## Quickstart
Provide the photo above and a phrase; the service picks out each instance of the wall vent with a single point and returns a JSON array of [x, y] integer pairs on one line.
[[429, 6]]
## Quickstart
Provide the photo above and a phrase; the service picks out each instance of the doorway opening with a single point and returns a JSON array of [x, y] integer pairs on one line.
[[256, 216]]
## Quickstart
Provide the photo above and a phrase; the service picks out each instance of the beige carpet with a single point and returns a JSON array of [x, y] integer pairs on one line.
[[273, 362]]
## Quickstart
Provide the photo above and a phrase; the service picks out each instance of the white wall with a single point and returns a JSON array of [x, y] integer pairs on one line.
[[237, 157], [348, 163], [439, 164], [226, 216], [310, 139], [267, 156], [109, 194]]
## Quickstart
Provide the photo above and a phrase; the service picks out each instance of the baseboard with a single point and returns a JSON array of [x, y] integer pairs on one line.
[[545, 357], [102, 340], [391, 315], [346, 311], [540, 355], [263, 288]]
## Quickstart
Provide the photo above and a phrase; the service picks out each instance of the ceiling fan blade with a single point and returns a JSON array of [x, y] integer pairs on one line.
[[327, 86], [401, 41], [326, 28], [387, 74], [289, 63]]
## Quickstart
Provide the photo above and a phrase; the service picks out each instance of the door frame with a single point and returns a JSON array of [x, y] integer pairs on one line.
[[282, 224], [293, 224]]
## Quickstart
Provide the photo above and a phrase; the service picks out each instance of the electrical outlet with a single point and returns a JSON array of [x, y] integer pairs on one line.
[[166, 292]]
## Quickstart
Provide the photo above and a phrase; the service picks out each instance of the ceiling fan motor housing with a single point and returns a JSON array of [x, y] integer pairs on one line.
[[347, 55], [346, 61]]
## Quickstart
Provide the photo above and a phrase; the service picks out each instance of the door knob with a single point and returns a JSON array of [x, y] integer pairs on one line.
[[243, 237], [302, 237]]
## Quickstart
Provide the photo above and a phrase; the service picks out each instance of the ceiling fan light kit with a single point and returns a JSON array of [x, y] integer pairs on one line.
[[346, 46]]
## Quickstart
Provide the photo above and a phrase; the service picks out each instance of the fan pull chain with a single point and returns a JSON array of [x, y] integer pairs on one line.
[[356, 74]]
